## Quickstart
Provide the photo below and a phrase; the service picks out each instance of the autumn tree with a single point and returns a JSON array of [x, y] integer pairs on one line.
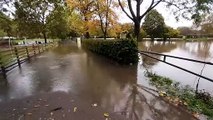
[[86, 9], [184, 7], [106, 14], [75, 23], [172, 33]]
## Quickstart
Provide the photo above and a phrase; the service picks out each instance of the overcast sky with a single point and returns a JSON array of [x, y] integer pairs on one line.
[[168, 17]]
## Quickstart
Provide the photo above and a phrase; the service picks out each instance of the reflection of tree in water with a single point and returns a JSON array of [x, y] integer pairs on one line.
[[199, 49], [160, 47], [143, 103], [64, 49], [104, 74], [157, 46]]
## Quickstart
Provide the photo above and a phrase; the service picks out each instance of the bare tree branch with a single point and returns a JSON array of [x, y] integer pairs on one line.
[[152, 5], [119, 1], [130, 8]]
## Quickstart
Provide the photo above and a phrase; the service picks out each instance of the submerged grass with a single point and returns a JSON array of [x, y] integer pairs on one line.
[[197, 103]]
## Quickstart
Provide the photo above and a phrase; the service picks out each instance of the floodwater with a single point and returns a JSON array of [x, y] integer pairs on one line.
[[121, 89], [202, 51]]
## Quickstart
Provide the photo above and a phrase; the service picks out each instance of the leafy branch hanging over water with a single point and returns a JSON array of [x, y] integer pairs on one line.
[[185, 96]]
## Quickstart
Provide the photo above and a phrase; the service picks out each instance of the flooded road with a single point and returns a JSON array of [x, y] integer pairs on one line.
[[102, 81]]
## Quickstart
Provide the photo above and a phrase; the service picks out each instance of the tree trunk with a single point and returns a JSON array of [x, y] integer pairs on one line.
[[137, 30], [45, 37], [105, 35], [87, 35], [152, 38]]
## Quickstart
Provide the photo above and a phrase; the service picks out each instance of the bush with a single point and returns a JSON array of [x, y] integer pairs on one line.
[[122, 51]]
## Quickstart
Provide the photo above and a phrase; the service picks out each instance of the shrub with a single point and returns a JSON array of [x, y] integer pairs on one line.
[[122, 51]]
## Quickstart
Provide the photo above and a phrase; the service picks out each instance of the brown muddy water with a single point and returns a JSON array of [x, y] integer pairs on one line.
[[195, 50], [98, 80]]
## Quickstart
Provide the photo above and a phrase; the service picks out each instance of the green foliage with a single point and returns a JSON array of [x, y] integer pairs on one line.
[[7, 26], [2, 33], [154, 24], [200, 102], [158, 80], [207, 25], [173, 33], [58, 23], [143, 33], [40, 18], [200, 9], [122, 51]]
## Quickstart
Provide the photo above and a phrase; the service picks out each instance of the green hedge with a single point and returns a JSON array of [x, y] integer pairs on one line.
[[122, 51]]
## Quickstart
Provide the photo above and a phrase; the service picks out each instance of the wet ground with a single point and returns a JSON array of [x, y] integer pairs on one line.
[[54, 106], [123, 90]]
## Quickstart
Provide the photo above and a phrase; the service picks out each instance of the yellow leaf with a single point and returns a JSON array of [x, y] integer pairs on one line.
[[106, 114], [75, 109], [94, 105]]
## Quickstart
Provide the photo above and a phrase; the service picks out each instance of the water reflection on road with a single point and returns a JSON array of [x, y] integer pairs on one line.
[[97, 80]]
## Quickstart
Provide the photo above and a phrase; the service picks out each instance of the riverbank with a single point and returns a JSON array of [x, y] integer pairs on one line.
[[54, 106], [196, 102]]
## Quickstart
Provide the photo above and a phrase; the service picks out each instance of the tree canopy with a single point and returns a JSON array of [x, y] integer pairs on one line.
[[207, 25], [193, 9], [154, 24], [34, 17], [90, 18]]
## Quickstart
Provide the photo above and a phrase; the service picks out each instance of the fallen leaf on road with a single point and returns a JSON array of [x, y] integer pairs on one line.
[[46, 105], [196, 115], [106, 114], [94, 105], [51, 113], [29, 113], [75, 109], [36, 106]]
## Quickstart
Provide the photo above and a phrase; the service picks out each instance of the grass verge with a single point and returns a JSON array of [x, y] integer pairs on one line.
[[185, 96]]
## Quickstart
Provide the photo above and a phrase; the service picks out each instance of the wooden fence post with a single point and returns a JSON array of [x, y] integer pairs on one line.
[[34, 51], [28, 56], [42, 47], [39, 49], [3, 68], [17, 57]]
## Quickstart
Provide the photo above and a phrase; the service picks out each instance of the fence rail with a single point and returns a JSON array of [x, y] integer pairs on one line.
[[10, 59], [148, 54]]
